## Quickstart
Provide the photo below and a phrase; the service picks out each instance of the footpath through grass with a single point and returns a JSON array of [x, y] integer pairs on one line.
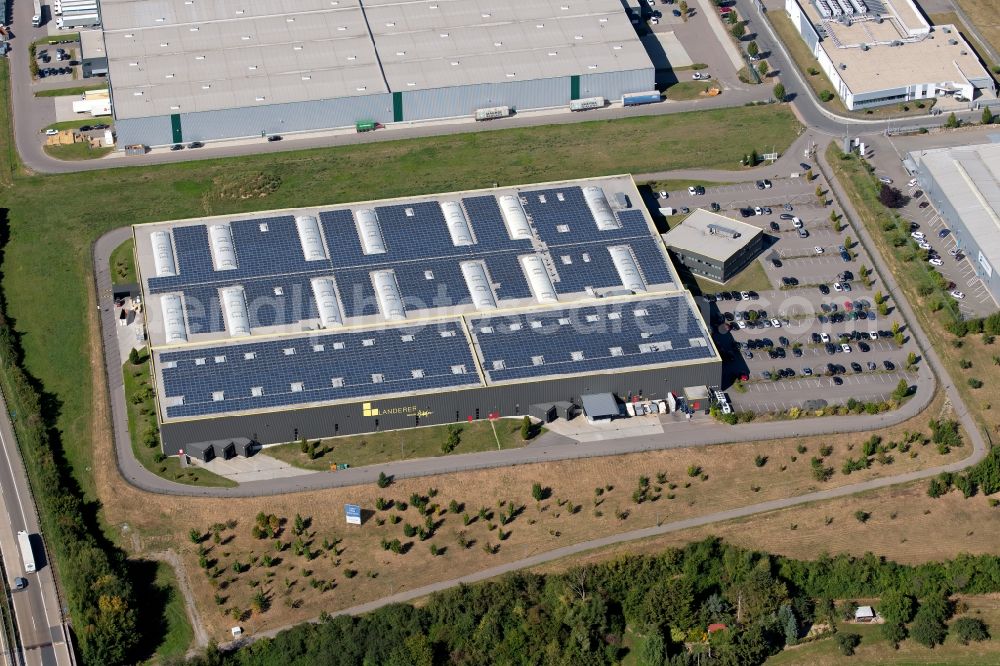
[[383, 447], [141, 403]]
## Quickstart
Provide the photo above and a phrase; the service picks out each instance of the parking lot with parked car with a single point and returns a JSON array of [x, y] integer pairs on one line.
[[814, 336]]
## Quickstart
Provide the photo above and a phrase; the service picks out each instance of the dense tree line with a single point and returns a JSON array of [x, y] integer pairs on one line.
[[92, 574], [579, 617]]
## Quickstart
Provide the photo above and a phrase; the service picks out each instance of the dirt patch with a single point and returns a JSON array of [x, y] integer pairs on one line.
[[332, 565]]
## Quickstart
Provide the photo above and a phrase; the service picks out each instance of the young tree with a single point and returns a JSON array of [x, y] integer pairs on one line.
[[739, 30], [526, 428], [987, 116], [848, 242], [383, 480], [133, 357], [929, 628], [654, 651], [896, 607], [537, 492], [902, 390], [968, 629], [891, 197], [952, 121], [753, 49], [779, 92], [683, 6], [763, 68]]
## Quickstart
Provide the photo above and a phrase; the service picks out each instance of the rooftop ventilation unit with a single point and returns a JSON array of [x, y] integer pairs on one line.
[[628, 270], [599, 207], [538, 278], [719, 230], [390, 301], [458, 224], [369, 231], [325, 293], [234, 304], [514, 217], [479, 285], [310, 238], [174, 329], [953, 42], [163, 254], [220, 237]]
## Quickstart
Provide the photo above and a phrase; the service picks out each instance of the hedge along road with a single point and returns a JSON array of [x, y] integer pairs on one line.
[[550, 447]]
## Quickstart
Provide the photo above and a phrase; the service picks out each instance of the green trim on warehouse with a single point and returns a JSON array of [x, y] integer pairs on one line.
[[175, 128], [574, 87], [397, 107]]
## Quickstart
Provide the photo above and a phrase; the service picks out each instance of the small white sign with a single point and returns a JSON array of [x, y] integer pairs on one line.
[[986, 265]]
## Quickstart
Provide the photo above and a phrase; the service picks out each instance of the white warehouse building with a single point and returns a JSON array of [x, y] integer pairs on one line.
[[885, 52], [200, 71]]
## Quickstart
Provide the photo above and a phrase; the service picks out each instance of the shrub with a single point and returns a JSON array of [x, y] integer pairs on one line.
[[975, 383], [970, 629], [779, 92], [760, 461], [383, 480], [825, 95], [693, 471], [846, 642], [862, 516]]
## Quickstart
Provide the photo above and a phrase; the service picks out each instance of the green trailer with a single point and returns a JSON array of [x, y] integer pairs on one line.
[[366, 125]]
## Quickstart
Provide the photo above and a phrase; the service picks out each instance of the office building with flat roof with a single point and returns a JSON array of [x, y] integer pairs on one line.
[[878, 52], [714, 246]]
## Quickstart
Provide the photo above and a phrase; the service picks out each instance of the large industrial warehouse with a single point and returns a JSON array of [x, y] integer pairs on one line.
[[391, 314], [193, 70], [964, 184]]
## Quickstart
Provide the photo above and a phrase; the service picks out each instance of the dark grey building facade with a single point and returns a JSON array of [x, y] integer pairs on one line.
[[512, 400], [716, 269]]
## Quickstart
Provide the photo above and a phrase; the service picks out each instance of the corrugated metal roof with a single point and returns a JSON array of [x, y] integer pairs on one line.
[[180, 56]]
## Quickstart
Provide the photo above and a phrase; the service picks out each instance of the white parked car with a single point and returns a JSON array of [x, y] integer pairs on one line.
[[758, 210], [654, 21], [924, 245], [51, 132], [663, 194], [698, 76], [935, 262], [873, 335], [919, 235], [846, 348], [837, 287], [691, 190], [775, 323], [955, 293], [885, 179], [825, 337], [912, 183], [797, 223], [745, 295], [818, 249], [742, 324]]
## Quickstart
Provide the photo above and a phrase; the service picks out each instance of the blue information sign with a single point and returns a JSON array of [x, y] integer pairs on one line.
[[353, 514]]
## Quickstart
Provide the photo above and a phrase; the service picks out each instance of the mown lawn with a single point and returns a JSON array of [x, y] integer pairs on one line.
[[71, 92], [76, 151], [123, 264], [383, 447], [141, 406]]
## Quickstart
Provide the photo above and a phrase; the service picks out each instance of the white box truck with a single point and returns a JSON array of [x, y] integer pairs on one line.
[[36, 18], [27, 555]]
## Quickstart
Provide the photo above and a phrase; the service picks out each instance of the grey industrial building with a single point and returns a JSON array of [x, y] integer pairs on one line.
[[963, 183], [184, 70], [349, 319], [93, 59], [714, 246]]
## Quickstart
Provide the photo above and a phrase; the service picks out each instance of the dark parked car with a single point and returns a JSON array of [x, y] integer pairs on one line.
[[888, 365], [274, 137], [823, 289], [863, 346], [774, 226], [924, 204], [85, 128], [838, 381], [746, 212], [177, 146], [776, 263], [715, 207], [195, 144], [856, 367]]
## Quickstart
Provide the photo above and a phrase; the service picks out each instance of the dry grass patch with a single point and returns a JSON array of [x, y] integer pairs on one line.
[[984, 15], [333, 565]]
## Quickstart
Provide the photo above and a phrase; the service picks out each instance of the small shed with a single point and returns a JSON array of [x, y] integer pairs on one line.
[[864, 614], [598, 406]]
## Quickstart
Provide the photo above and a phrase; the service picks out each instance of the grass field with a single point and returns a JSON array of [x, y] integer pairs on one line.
[[685, 90], [984, 15], [76, 151], [384, 447], [174, 626], [976, 352], [751, 278], [75, 91], [123, 264], [141, 406], [55, 39]]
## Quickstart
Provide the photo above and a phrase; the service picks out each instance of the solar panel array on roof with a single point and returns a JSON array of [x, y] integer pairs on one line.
[[416, 242], [278, 373], [590, 338]]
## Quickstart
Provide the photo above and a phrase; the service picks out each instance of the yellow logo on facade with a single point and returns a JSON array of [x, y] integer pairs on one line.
[[368, 410]]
